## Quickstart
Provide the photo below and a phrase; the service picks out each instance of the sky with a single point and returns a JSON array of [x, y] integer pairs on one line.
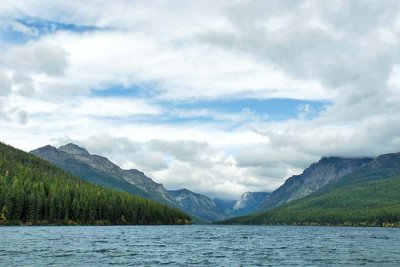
[[220, 97]]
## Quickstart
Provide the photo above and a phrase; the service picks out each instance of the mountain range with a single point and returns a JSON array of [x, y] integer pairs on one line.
[[317, 175], [35, 192], [362, 191], [329, 179], [101, 171]]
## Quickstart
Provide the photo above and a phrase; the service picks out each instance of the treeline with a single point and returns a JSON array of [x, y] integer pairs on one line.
[[32, 191], [371, 203]]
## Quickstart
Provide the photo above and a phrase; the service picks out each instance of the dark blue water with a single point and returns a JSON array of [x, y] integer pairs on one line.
[[198, 246]]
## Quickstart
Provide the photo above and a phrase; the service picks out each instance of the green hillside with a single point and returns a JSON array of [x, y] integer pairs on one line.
[[365, 203], [32, 191]]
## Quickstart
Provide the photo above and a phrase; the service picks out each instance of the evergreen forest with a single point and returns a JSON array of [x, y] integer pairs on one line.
[[35, 192], [365, 203]]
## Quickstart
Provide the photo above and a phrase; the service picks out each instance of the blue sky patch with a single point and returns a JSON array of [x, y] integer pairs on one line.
[[146, 90], [47, 26], [273, 109], [267, 109], [22, 30]]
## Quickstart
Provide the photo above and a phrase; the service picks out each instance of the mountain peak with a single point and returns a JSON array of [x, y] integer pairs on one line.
[[48, 149], [73, 149]]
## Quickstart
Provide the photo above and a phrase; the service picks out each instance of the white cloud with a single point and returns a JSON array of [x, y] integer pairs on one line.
[[342, 52], [5, 84], [37, 58], [112, 107], [101, 59]]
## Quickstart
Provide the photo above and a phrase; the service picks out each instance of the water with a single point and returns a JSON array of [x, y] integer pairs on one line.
[[198, 246]]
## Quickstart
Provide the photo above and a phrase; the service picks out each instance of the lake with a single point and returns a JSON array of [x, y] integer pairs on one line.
[[198, 245]]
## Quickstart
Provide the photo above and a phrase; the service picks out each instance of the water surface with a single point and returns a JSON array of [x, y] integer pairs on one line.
[[198, 245]]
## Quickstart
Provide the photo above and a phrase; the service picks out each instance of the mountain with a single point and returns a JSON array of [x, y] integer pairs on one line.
[[33, 191], [225, 206], [101, 171], [370, 203], [368, 196], [248, 203], [319, 174], [213, 210], [200, 205], [382, 167]]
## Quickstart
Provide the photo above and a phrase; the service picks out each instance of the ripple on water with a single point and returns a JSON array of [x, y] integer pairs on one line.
[[198, 246]]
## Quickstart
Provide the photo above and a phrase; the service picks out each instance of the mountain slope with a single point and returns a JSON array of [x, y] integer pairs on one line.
[[200, 205], [316, 176], [64, 161], [371, 203], [366, 196], [33, 191], [382, 167], [224, 205], [101, 171], [248, 203]]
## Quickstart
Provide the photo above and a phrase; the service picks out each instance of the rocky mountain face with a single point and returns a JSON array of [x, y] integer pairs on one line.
[[200, 205], [100, 170], [382, 167], [248, 203], [327, 170]]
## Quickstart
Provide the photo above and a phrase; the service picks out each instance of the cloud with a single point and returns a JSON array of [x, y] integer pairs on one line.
[[121, 150], [112, 107], [12, 113], [187, 72], [168, 58], [180, 164], [336, 45], [5, 84], [23, 84], [183, 150], [37, 58]]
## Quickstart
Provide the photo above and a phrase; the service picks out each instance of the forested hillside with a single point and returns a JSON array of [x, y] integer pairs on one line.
[[101, 171], [32, 191], [367, 196], [370, 203]]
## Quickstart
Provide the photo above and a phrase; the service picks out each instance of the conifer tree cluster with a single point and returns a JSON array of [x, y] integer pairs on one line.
[[32, 191]]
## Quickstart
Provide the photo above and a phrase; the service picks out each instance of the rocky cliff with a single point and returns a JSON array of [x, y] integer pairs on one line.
[[328, 169]]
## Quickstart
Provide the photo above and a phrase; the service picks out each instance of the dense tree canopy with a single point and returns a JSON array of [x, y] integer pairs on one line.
[[32, 191], [368, 203]]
